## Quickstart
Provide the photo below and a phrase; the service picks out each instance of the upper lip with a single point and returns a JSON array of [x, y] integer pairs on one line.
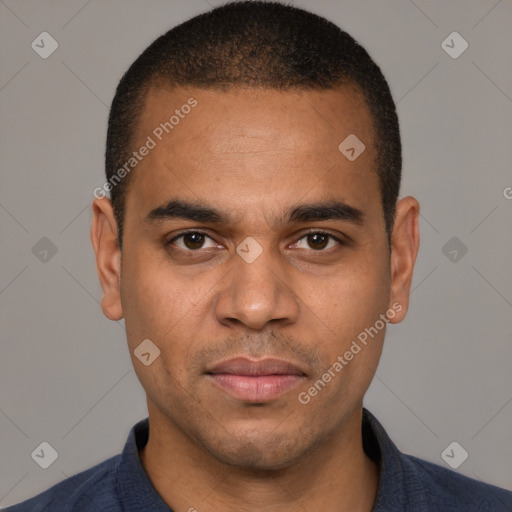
[[244, 366]]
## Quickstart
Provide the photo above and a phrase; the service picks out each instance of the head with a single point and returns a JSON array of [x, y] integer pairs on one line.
[[248, 228]]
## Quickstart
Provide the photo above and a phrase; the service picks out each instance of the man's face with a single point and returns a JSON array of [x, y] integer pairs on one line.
[[254, 157]]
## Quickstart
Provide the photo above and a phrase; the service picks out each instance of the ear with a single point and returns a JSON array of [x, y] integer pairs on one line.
[[108, 256], [405, 241]]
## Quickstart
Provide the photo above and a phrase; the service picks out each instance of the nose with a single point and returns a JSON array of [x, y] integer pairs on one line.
[[257, 293]]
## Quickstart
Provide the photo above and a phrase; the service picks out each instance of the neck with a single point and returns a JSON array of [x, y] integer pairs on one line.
[[335, 476]]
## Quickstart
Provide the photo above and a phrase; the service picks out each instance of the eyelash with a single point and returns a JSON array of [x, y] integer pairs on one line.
[[313, 232]]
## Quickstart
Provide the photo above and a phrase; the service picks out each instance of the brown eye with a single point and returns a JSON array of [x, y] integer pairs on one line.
[[317, 241], [193, 241]]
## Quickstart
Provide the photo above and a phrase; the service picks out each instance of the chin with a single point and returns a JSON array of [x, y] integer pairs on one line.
[[259, 451]]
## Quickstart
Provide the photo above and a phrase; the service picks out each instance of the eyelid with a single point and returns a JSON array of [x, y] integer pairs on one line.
[[188, 232], [313, 231], [338, 237]]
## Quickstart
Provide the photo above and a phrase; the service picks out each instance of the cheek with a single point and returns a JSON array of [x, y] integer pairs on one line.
[[155, 308], [161, 306], [350, 305], [151, 301], [352, 298], [351, 355]]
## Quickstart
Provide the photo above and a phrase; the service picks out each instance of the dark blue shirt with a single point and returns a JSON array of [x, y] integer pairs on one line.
[[407, 483]]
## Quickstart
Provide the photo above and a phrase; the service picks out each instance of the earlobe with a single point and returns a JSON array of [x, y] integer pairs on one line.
[[404, 250], [108, 256]]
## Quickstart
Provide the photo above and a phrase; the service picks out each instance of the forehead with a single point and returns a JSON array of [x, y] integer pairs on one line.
[[265, 114], [250, 145]]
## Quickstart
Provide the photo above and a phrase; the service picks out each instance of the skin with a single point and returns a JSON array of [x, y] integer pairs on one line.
[[252, 155]]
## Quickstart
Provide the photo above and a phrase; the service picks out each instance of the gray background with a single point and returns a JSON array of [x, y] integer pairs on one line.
[[65, 374]]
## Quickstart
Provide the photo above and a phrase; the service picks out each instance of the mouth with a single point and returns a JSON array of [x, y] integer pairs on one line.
[[255, 381]]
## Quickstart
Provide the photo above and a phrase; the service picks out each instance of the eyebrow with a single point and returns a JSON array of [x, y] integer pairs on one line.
[[199, 212]]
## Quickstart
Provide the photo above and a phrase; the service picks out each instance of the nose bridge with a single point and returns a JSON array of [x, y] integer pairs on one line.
[[256, 293]]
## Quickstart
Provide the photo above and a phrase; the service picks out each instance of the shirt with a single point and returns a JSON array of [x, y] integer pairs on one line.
[[406, 483]]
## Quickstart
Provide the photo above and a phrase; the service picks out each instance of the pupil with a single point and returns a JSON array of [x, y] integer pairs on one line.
[[194, 240], [317, 237]]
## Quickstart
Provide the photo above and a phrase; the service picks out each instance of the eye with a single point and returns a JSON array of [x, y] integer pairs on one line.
[[317, 241], [192, 241]]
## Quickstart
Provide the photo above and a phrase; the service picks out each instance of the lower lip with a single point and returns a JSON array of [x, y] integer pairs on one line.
[[260, 388]]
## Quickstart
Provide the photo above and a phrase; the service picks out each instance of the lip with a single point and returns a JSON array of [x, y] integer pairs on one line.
[[255, 381]]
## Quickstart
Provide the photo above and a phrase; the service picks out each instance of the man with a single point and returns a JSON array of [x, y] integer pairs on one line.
[[256, 249]]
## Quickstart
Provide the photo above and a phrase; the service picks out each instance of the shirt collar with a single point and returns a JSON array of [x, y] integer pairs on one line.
[[379, 447], [135, 490]]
